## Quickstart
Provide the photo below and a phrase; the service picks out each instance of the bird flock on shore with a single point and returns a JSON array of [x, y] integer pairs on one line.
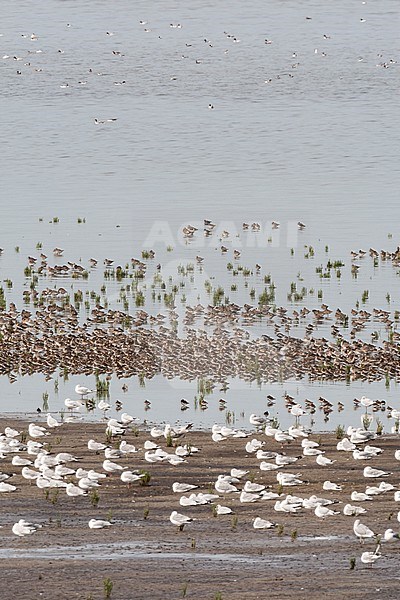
[[274, 449]]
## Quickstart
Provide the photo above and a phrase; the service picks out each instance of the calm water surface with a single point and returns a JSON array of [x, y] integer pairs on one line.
[[318, 143]]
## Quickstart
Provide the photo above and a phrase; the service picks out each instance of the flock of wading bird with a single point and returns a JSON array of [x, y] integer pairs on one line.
[[79, 332], [280, 456]]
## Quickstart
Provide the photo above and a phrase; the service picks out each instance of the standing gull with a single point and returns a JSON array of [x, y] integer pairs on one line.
[[362, 531]]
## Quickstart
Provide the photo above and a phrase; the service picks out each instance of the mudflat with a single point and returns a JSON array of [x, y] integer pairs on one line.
[[146, 557]]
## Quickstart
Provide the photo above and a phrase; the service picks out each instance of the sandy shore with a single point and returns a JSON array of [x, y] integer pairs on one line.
[[147, 558]]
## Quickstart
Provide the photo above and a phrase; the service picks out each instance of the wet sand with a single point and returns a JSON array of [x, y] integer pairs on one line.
[[146, 557]]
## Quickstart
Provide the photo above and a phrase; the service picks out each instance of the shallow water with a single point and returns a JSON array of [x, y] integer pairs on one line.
[[147, 550], [320, 147], [118, 551]]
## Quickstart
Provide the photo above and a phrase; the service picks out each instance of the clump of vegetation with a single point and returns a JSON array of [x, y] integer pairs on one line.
[[94, 498], [387, 380], [102, 388], [145, 480], [230, 417], [251, 476], [45, 401], [3, 303], [365, 296], [139, 298], [108, 587], [275, 423], [267, 296], [340, 431], [52, 495], [204, 386], [366, 421], [218, 295]]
